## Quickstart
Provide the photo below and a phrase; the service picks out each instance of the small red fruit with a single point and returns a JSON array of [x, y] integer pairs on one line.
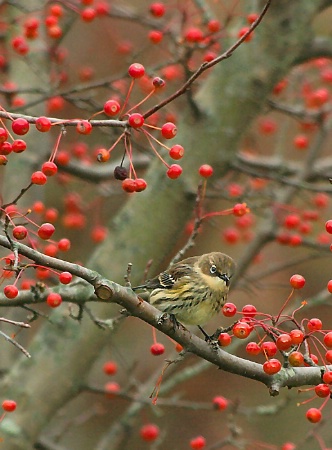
[[314, 324], [136, 70], [157, 349], [252, 348], [284, 341], [54, 299], [229, 309], [249, 311], [328, 226], [111, 389], [111, 108], [20, 232], [313, 415], [242, 330], [169, 130], [129, 185], [10, 291], [198, 443], [64, 244], [327, 377], [272, 366], [49, 168], [224, 339], [149, 432], [205, 170], [84, 127], [176, 152], [141, 184], [157, 9], [269, 348], [296, 359], [65, 277], [322, 390], [220, 402], [38, 178], [9, 405], [297, 281], [174, 171], [110, 368], [297, 337], [46, 230], [136, 120], [43, 124], [20, 126]]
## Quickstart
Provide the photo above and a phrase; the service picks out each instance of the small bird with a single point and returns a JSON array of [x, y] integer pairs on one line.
[[194, 289]]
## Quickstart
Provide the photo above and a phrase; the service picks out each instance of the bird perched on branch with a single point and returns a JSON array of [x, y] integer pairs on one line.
[[194, 289]]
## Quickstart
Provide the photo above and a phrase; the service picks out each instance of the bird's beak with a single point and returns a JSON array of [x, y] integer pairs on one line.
[[224, 277]]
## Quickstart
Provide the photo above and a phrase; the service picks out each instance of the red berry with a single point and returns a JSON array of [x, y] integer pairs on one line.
[[158, 83], [297, 281], [174, 171], [9, 405], [157, 349], [213, 25], [111, 108], [198, 443], [155, 36], [229, 309], [98, 233], [296, 359], [136, 120], [314, 324], [20, 126], [313, 415], [157, 9], [149, 432], [322, 390], [54, 299], [224, 339], [240, 209], [252, 348], [327, 377], [3, 135], [292, 221], [220, 402], [194, 35], [242, 330], [65, 277], [136, 70], [5, 148], [112, 388], [19, 232], [88, 14], [84, 127], [64, 244], [169, 130], [328, 356], [328, 226], [231, 235], [49, 168], [10, 291], [252, 17], [43, 124], [205, 170], [267, 126], [38, 178], [176, 152], [140, 184], [329, 286], [249, 311], [284, 341], [110, 368], [269, 349], [243, 31], [297, 337], [46, 230], [301, 141], [129, 185], [321, 200], [272, 366]]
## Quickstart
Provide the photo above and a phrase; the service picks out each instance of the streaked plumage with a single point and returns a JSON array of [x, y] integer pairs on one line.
[[194, 289]]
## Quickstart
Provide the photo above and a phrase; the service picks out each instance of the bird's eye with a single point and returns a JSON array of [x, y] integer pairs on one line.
[[213, 269]]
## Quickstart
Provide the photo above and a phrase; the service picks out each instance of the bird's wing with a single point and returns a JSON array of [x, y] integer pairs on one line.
[[167, 279]]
